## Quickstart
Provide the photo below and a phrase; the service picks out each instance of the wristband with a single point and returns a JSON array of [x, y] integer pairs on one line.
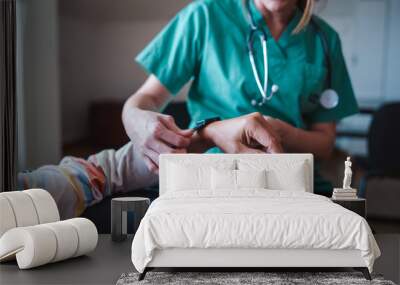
[[199, 125]]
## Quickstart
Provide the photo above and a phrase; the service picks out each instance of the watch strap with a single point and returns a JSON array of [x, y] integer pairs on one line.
[[203, 123]]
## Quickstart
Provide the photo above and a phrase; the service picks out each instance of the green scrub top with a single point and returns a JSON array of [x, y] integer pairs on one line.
[[206, 43]]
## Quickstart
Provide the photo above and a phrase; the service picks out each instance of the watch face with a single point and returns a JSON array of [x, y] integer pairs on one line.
[[329, 99]]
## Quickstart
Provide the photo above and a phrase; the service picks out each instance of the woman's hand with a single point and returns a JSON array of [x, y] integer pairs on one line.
[[153, 133], [246, 134]]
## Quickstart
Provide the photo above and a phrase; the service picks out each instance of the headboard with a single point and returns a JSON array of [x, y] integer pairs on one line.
[[212, 159]]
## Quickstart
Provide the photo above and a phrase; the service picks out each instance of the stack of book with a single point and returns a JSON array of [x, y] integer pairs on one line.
[[340, 194]]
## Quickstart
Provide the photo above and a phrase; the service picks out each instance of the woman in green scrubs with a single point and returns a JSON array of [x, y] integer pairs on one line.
[[206, 43]]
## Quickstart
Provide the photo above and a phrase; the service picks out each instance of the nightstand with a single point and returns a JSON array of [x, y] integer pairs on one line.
[[119, 208], [358, 205]]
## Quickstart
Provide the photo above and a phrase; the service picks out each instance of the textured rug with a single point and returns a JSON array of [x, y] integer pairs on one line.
[[233, 278]]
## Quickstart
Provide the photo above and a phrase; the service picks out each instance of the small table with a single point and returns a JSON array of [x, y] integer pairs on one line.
[[119, 208], [357, 205]]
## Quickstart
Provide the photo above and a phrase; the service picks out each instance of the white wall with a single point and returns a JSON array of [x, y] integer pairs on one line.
[[97, 61], [98, 44], [38, 83], [392, 82], [364, 27]]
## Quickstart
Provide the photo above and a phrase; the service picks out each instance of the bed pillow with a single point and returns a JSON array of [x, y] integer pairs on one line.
[[251, 178], [292, 179], [181, 177], [188, 174], [225, 179], [281, 175]]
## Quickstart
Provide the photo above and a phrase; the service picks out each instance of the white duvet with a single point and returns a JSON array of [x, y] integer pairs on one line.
[[250, 219]]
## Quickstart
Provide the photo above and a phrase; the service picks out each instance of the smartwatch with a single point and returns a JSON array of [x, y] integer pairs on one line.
[[199, 125]]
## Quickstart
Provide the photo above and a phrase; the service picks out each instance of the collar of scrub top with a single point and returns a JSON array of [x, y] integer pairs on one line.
[[259, 21]]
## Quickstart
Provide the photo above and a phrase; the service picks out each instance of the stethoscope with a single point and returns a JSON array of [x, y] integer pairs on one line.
[[328, 99]]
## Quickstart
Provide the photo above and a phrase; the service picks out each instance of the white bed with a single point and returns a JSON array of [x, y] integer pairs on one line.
[[203, 220]]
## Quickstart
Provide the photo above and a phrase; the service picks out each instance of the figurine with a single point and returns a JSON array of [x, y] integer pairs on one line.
[[347, 174]]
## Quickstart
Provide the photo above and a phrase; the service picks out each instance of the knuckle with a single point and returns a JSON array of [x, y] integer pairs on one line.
[[255, 115], [157, 129], [235, 149], [181, 141], [250, 122], [274, 141], [253, 118], [159, 117], [169, 118]]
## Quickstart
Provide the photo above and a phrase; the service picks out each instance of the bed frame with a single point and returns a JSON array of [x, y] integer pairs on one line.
[[243, 259], [250, 258]]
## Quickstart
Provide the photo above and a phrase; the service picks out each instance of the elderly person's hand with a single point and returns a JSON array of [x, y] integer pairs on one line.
[[246, 134], [280, 127], [319, 139]]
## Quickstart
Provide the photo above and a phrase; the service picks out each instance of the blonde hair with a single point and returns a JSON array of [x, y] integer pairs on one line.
[[307, 6]]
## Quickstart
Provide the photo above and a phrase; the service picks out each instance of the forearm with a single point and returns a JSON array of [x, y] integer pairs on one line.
[[139, 102], [137, 109], [151, 96], [320, 143]]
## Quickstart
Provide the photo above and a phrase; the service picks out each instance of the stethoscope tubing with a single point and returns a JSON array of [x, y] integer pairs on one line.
[[254, 30], [261, 88]]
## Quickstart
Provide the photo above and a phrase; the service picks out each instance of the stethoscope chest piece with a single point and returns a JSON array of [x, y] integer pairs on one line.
[[329, 99], [263, 100]]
